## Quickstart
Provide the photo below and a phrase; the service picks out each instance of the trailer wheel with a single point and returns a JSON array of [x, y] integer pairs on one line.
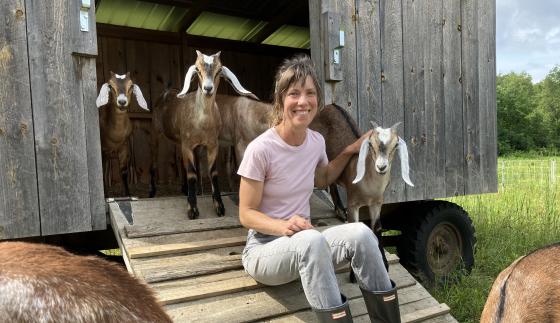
[[438, 243]]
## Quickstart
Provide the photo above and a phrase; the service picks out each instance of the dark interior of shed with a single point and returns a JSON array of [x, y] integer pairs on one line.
[[253, 36]]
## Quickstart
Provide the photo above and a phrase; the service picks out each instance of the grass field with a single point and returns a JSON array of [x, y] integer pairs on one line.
[[521, 217]]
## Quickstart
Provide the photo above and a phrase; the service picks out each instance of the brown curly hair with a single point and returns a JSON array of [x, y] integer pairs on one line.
[[293, 70]]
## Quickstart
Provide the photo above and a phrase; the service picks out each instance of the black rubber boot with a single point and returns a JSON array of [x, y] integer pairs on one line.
[[383, 307], [339, 314]]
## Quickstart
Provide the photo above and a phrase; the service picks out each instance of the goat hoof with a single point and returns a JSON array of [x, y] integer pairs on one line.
[[220, 210], [352, 277], [193, 213]]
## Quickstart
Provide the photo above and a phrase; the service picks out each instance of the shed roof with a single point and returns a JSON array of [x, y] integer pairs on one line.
[[272, 22]]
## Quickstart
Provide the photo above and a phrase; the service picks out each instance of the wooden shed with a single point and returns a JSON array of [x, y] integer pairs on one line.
[[429, 64]]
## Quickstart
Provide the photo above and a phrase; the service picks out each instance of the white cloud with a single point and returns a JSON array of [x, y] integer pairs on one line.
[[527, 36]]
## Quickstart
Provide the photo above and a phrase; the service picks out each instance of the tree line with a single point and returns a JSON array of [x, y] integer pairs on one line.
[[528, 114]]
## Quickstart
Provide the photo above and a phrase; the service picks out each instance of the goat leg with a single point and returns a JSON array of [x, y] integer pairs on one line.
[[216, 196], [339, 207], [374, 212], [123, 165], [192, 209]]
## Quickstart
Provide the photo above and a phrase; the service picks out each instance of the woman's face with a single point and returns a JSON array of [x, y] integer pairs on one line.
[[300, 104]]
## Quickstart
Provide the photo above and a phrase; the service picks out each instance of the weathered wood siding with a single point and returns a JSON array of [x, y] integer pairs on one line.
[[50, 177], [431, 65], [19, 204]]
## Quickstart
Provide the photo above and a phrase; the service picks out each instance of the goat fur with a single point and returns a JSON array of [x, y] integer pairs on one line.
[[528, 290], [114, 123], [193, 120], [42, 283]]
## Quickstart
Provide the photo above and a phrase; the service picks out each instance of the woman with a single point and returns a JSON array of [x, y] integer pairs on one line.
[[278, 173]]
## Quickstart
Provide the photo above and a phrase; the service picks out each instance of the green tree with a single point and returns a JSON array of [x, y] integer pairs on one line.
[[548, 94], [517, 115]]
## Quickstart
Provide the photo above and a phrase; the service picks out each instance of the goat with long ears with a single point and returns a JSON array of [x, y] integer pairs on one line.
[[382, 162], [192, 120], [114, 123]]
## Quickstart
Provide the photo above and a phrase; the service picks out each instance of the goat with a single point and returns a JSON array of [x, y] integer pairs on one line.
[[193, 120], [528, 290], [114, 123], [42, 283]]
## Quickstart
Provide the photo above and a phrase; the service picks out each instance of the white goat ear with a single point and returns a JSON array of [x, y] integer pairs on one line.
[[103, 96], [361, 167], [139, 97], [188, 79], [403, 156], [232, 79]]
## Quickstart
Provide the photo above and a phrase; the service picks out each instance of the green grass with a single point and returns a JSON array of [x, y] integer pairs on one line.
[[508, 224]]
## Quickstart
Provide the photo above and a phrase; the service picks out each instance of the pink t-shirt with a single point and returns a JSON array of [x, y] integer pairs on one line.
[[288, 172]]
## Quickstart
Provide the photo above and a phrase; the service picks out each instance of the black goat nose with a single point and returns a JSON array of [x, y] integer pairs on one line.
[[121, 101], [382, 168], [208, 88]]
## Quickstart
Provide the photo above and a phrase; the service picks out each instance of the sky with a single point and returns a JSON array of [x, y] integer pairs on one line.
[[527, 36]]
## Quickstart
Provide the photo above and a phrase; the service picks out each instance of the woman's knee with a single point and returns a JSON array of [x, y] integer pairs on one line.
[[362, 233], [311, 240]]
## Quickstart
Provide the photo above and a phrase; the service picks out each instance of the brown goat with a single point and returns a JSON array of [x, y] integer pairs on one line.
[[193, 120], [114, 123], [42, 283], [528, 290]]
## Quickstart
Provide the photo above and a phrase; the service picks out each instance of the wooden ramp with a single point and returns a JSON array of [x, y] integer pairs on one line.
[[195, 268]]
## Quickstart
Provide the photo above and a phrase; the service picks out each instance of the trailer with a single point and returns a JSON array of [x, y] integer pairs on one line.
[[427, 63]]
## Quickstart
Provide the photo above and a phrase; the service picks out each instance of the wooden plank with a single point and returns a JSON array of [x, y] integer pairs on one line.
[[454, 161], [161, 269], [266, 302], [368, 42], [317, 53], [19, 204], [145, 224], [392, 92], [59, 129], [158, 250], [86, 71], [434, 99], [345, 92], [426, 313], [487, 94], [471, 113], [414, 102]]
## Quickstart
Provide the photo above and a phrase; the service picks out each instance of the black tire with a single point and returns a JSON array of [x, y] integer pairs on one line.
[[438, 242]]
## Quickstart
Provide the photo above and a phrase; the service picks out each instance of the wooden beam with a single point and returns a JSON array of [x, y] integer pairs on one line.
[[122, 32], [113, 31], [278, 21], [193, 13]]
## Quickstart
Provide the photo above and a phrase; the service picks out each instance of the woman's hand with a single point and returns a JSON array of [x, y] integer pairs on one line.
[[354, 148], [295, 224]]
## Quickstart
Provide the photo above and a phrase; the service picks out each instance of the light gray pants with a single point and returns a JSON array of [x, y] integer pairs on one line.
[[313, 256]]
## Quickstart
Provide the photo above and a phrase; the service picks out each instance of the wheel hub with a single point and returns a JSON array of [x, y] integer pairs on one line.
[[444, 249]]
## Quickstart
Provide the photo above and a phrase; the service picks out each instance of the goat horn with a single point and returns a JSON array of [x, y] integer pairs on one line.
[[374, 124], [139, 97], [232, 79], [403, 156], [188, 79], [103, 96], [361, 167]]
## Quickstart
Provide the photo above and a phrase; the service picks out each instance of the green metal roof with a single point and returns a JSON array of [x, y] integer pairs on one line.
[[154, 16]]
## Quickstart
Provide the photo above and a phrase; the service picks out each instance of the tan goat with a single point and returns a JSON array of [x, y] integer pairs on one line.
[[527, 291], [193, 120], [114, 123], [42, 283]]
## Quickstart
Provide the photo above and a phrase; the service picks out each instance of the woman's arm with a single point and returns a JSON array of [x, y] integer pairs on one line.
[[326, 175], [250, 195]]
